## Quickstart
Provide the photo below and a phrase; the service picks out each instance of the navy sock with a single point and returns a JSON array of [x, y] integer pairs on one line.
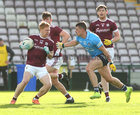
[[124, 88], [14, 98], [96, 89]]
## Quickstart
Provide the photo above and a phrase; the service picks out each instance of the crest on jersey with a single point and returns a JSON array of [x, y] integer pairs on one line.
[[102, 24], [97, 25], [88, 44], [41, 41], [46, 43], [107, 25]]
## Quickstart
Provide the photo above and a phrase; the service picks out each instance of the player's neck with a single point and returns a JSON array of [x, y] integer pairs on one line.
[[84, 35], [103, 19], [43, 36]]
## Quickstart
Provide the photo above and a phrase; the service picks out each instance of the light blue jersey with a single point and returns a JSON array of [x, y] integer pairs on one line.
[[91, 43]]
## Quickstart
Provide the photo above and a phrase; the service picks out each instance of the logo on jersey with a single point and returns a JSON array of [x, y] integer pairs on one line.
[[41, 41], [97, 25], [102, 30], [107, 25], [89, 44], [46, 43], [102, 24]]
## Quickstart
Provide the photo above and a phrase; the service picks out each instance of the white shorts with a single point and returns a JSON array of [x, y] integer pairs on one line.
[[39, 72], [111, 52], [55, 62], [72, 61]]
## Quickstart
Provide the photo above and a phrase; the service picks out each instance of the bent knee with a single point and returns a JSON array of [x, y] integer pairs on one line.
[[48, 85], [55, 81], [25, 82], [89, 69], [109, 79]]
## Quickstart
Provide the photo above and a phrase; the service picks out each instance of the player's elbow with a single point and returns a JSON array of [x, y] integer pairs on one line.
[[118, 38]]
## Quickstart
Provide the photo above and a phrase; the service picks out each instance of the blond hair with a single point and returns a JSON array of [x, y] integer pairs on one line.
[[101, 6], [43, 24]]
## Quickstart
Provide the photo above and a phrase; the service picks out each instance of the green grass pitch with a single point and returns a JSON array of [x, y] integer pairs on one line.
[[53, 104]]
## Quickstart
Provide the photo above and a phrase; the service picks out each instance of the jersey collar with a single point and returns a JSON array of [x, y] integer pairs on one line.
[[102, 20], [87, 34]]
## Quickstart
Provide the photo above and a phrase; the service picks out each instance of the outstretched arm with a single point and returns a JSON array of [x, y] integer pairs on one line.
[[60, 45]]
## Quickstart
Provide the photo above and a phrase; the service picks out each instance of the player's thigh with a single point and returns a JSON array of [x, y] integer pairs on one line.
[[105, 73], [94, 63], [26, 77], [28, 72], [51, 69]]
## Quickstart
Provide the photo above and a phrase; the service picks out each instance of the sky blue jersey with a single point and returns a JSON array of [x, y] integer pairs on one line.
[[91, 43]]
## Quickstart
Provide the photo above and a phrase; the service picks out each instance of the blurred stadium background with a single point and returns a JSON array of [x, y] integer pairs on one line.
[[20, 18]]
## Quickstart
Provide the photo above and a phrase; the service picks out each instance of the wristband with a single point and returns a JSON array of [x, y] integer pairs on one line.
[[63, 46]]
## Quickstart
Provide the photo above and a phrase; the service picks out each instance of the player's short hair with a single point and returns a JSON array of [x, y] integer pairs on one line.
[[1, 39], [46, 14], [43, 24], [101, 6], [82, 24]]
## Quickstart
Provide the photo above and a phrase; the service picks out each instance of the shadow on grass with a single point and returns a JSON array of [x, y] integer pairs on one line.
[[76, 105], [20, 105]]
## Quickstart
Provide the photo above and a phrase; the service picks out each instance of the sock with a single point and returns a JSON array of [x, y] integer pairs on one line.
[[96, 89], [36, 97], [67, 95], [107, 94], [60, 76], [124, 88], [15, 98]]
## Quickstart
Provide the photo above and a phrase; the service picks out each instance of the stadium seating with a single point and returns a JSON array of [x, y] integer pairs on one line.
[[19, 18]]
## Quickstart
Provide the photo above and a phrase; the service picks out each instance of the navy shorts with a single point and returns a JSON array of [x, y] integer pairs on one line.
[[103, 58]]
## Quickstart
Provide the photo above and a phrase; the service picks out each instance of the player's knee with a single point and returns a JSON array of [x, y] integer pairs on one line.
[[88, 69], [25, 82], [109, 80], [48, 85], [55, 81]]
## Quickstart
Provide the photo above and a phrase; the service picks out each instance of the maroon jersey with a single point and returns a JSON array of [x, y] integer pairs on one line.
[[104, 29], [36, 56], [55, 36]]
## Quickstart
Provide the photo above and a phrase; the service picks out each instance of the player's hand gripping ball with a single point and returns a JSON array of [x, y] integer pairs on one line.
[[28, 43]]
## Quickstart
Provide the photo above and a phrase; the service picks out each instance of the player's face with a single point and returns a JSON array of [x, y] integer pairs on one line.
[[102, 13], [1, 43], [48, 20], [45, 31], [79, 31]]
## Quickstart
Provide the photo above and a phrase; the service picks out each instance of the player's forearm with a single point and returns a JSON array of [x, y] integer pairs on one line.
[[116, 39], [71, 43], [105, 52]]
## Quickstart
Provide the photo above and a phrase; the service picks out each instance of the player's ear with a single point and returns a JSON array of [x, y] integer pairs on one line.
[[106, 11]]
